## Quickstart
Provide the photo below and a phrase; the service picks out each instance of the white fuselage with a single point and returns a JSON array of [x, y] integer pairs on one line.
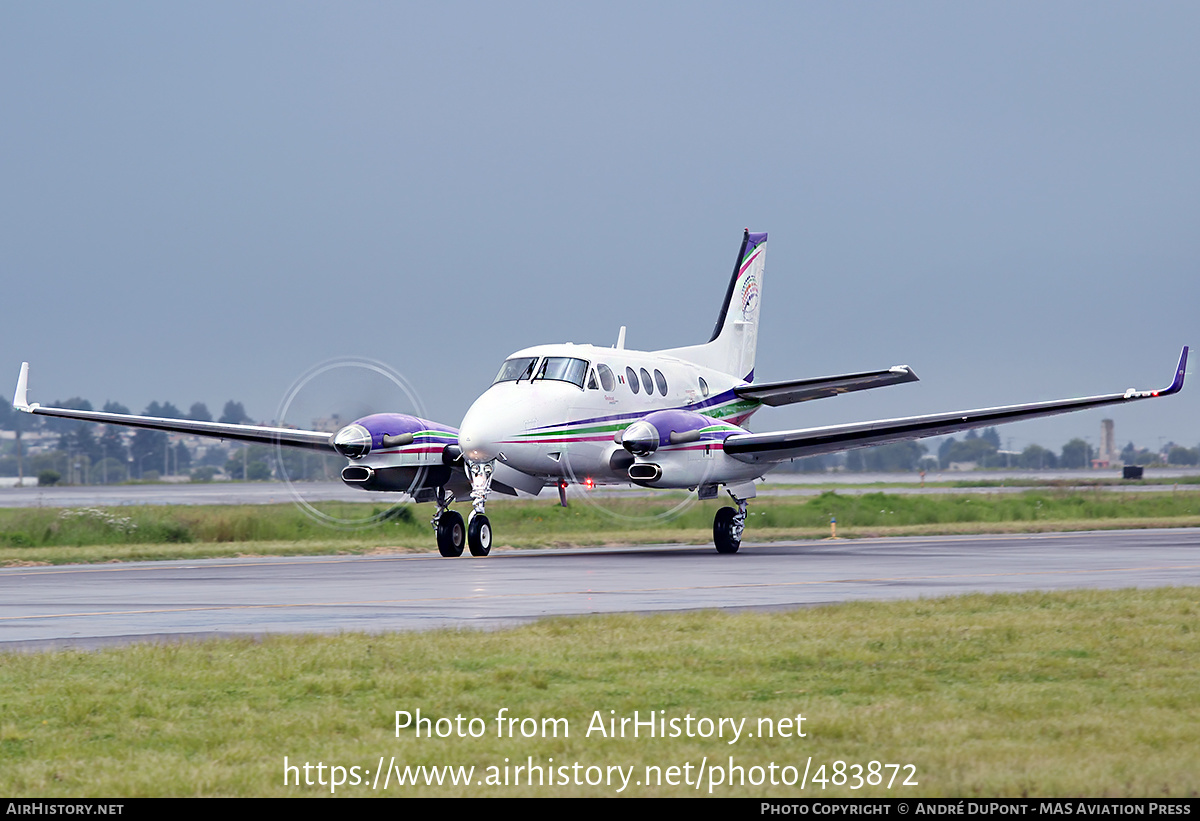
[[558, 419]]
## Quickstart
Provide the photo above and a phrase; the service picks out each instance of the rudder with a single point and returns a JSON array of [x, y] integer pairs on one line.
[[735, 337]]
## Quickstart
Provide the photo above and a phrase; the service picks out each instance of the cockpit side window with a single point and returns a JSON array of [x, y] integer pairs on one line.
[[593, 385], [564, 369], [516, 369]]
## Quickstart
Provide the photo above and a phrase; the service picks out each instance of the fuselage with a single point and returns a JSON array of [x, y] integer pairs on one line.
[[554, 410]]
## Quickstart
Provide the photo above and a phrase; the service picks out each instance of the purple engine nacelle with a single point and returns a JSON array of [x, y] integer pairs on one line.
[[672, 427], [682, 435], [396, 452]]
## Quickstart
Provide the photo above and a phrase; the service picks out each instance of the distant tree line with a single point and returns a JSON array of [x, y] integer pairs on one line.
[[983, 451]]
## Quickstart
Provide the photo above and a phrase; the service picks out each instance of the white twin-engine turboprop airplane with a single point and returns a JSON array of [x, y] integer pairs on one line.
[[564, 414]]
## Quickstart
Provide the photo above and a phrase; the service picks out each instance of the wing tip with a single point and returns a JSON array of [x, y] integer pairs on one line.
[[21, 394], [907, 372], [1177, 382]]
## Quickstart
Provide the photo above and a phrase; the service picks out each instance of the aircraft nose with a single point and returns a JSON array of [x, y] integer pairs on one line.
[[480, 432], [475, 447]]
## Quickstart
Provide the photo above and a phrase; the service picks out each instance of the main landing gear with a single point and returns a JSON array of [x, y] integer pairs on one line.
[[448, 525], [728, 525]]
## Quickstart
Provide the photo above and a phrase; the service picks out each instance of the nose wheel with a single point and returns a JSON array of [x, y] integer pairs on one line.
[[479, 535]]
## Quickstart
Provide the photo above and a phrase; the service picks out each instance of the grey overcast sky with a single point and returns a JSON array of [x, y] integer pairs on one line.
[[200, 201]]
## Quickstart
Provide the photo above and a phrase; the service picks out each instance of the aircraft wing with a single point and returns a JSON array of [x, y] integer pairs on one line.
[[793, 444], [310, 439], [802, 390]]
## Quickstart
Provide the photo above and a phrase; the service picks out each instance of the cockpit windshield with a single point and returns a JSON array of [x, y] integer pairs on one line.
[[563, 369], [516, 369]]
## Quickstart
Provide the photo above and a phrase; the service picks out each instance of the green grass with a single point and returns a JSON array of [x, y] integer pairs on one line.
[[1075, 483], [163, 532], [1084, 693], [1082, 481]]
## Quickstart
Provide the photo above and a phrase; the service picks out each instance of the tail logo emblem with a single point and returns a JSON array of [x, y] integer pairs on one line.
[[749, 297]]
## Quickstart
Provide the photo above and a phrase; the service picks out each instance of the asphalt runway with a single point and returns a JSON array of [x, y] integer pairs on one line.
[[185, 493], [88, 606], [779, 484]]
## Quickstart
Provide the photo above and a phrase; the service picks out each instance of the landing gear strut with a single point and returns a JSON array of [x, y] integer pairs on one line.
[[728, 525], [476, 534], [479, 529]]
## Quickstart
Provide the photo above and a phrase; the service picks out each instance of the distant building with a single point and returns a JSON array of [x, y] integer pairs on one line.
[[1108, 449], [331, 424]]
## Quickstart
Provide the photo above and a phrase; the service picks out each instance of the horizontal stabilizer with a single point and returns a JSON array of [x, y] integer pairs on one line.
[[802, 390], [794, 444]]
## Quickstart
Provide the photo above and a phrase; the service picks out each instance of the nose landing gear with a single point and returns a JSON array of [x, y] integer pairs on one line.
[[479, 529], [476, 535]]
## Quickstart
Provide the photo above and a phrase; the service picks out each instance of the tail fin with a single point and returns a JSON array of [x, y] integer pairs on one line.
[[735, 337]]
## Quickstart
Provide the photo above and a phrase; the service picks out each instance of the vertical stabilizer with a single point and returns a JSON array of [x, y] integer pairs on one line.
[[735, 337]]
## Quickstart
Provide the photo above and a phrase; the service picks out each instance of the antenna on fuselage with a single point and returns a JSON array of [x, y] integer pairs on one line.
[[621, 339]]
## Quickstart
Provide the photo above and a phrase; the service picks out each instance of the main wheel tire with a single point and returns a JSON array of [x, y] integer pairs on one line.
[[451, 534], [479, 535], [723, 531]]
